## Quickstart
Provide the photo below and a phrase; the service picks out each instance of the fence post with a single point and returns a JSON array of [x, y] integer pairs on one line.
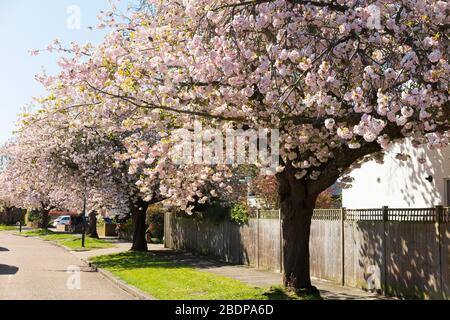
[[439, 214], [343, 245], [281, 241], [385, 257], [165, 229], [257, 238]]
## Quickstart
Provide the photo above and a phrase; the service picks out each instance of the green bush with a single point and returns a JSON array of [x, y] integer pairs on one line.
[[216, 211], [239, 213], [34, 216], [125, 229], [219, 211], [155, 220], [76, 219], [127, 226]]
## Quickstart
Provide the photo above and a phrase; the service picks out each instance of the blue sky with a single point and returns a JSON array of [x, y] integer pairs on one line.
[[34, 24]]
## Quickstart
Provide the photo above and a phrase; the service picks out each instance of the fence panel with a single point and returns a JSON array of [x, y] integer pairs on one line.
[[326, 248], [364, 252], [247, 236], [445, 260], [413, 260], [444, 232], [269, 244], [234, 244], [204, 239]]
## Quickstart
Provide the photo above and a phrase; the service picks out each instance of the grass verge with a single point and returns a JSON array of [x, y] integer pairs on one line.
[[167, 280], [71, 241], [7, 228], [90, 243]]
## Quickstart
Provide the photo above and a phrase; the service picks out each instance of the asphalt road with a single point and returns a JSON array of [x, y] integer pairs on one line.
[[33, 269]]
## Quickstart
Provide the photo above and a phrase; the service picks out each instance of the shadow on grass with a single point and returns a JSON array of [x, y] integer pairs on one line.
[[36, 233], [280, 293], [154, 259], [90, 243], [134, 260]]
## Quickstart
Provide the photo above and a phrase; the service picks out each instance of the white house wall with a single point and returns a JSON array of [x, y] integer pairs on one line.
[[401, 184]]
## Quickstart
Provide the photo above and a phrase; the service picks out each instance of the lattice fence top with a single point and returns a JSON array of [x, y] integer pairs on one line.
[[269, 214], [446, 215], [419, 215], [377, 214], [327, 214], [265, 214], [364, 214], [380, 214]]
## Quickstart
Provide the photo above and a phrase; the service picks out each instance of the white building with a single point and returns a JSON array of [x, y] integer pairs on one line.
[[402, 184]]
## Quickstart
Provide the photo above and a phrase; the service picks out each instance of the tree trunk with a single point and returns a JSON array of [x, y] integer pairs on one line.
[[297, 207], [9, 216], [92, 228], [296, 236], [44, 219], [139, 210]]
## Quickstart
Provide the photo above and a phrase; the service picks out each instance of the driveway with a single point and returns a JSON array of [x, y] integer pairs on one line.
[[33, 269]]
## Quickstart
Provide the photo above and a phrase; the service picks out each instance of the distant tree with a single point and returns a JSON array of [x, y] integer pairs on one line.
[[266, 190], [324, 200]]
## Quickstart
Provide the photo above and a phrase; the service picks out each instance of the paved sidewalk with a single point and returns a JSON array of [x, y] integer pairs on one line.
[[329, 291], [33, 269]]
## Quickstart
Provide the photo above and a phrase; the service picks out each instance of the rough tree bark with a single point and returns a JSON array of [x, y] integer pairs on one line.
[[8, 214], [138, 214], [297, 207], [43, 224], [92, 227]]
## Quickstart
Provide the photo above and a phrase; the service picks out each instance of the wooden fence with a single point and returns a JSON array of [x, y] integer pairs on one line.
[[398, 252], [257, 243]]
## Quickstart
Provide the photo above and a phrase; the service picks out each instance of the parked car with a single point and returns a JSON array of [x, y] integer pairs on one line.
[[56, 222], [63, 220]]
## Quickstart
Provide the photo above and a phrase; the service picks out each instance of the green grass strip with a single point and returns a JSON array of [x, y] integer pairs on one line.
[[167, 280]]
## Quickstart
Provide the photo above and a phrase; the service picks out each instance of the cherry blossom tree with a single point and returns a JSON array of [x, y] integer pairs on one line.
[[59, 159], [341, 81], [23, 187]]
